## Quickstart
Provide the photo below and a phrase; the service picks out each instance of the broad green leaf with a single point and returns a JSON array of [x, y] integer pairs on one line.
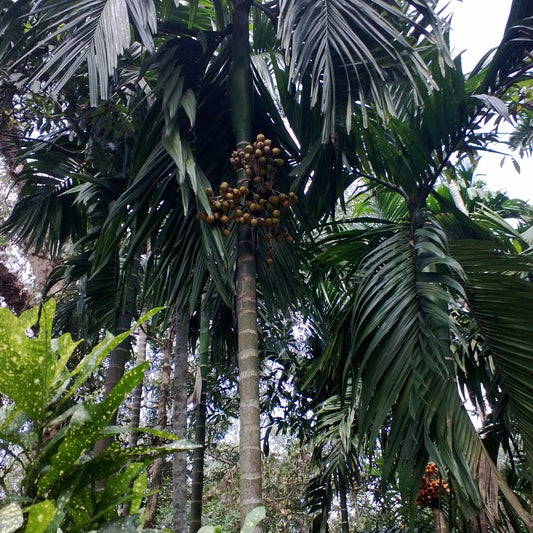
[[86, 425], [140, 486], [40, 516], [252, 519], [30, 367], [81, 505], [117, 486]]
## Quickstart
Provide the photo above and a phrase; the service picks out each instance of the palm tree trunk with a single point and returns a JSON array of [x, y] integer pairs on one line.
[[162, 422], [488, 487], [439, 521], [115, 370], [345, 522], [119, 356], [197, 485], [179, 424], [250, 438], [137, 392]]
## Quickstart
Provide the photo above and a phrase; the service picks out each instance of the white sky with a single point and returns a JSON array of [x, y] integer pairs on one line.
[[477, 26]]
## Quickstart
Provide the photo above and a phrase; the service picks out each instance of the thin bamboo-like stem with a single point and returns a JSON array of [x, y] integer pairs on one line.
[[156, 469], [179, 425], [197, 483]]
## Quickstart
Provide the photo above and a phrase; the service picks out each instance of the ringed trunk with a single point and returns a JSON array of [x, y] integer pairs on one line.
[[241, 116], [197, 483], [156, 469], [439, 520], [179, 425], [249, 435]]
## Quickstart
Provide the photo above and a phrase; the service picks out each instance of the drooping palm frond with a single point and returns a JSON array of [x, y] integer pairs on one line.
[[183, 251], [406, 155], [336, 454], [378, 320], [181, 65], [343, 45], [394, 340], [512, 59], [94, 31], [11, 29], [88, 302], [500, 303], [521, 138], [47, 215], [397, 311]]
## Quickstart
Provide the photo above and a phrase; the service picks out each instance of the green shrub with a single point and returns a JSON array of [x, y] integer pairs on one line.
[[48, 430]]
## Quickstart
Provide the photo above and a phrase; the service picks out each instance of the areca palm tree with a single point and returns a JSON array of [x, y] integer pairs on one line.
[[413, 274], [213, 94]]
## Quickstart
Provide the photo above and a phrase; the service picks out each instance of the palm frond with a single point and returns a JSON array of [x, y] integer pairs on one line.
[[393, 339], [343, 45], [47, 214], [512, 59], [96, 31], [500, 299], [521, 138]]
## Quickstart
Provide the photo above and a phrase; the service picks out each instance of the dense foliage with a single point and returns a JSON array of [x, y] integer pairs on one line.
[[395, 299]]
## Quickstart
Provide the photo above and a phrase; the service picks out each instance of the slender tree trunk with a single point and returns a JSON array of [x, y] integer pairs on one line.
[[119, 356], [345, 521], [250, 438], [137, 392], [439, 521], [179, 424], [115, 370], [488, 488], [162, 422], [197, 485]]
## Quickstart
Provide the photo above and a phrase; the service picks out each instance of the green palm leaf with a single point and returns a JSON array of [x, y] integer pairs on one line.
[[96, 31], [501, 303], [47, 214], [395, 339], [340, 47]]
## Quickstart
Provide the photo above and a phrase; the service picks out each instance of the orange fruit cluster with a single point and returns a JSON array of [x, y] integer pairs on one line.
[[432, 487], [256, 204]]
